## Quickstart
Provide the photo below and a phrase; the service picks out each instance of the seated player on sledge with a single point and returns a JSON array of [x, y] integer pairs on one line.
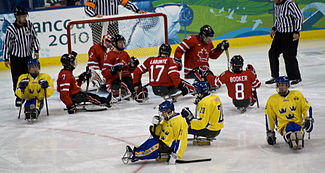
[[210, 120], [164, 77], [69, 88], [290, 112], [198, 49], [95, 63], [118, 68], [169, 137], [32, 87], [241, 84]]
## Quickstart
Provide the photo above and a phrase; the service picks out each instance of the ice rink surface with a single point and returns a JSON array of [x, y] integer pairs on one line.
[[95, 141]]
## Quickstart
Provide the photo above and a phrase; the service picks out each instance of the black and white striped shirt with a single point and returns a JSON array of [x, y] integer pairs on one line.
[[107, 7], [20, 41], [288, 17]]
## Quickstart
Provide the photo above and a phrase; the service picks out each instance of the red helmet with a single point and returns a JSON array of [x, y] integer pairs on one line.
[[107, 41]]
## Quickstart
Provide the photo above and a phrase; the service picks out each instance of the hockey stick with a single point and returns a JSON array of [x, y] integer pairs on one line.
[[255, 95], [22, 101], [193, 161], [120, 89], [227, 54], [47, 109]]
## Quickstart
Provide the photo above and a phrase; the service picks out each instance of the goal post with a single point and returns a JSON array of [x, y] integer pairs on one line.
[[144, 33]]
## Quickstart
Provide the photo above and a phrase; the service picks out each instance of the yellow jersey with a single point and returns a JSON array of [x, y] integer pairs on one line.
[[282, 110]]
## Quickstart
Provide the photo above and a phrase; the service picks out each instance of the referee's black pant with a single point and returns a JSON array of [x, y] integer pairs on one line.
[[283, 43], [18, 66]]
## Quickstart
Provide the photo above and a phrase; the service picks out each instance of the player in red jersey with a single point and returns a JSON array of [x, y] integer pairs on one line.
[[118, 67], [198, 49], [69, 87], [164, 77], [96, 53], [240, 84]]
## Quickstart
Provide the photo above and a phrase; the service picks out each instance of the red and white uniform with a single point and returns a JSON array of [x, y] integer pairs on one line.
[[162, 72], [96, 57], [196, 53], [239, 85], [111, 58], [66, 86]]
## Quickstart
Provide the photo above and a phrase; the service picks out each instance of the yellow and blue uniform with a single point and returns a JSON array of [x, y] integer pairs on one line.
[[211, 114], [280, 111], [172, 132], [34, 93]]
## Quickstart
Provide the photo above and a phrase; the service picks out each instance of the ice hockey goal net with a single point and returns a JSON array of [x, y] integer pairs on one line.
[[144, 33]]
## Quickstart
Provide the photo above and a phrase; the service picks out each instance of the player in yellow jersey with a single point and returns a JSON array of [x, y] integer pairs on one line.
[[209, 107], [292, 114], [169, 136], [32, 87]]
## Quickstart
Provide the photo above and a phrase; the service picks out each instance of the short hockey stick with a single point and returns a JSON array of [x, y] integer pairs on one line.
[[193, 161], [47, 109], [227, 54]]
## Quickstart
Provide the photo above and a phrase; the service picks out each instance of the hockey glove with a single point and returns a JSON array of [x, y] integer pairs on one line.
[[134, 62], [308, 125], [187, 114], [43, 83], [172, 159], [115, 68], [271, 139], [23, 83], [185, 90], [72, 109], [250, 67], [85, 75], [156, 120], [178, 63], [204, 71], [224, 45]]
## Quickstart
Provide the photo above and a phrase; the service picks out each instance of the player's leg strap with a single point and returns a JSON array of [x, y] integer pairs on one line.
[[293, 135], [148, 150]]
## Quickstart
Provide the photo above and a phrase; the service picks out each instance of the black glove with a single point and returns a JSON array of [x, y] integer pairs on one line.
[[134, 62], [308, 124], [178, 63], [224, 45], [115, 68], [187, 114], [23, 83], [43, 83], [72, 109], [185, 90], [271, 139]]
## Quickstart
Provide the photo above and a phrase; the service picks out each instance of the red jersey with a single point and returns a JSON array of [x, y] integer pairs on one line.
[[96, 57], [196, 53], [162, 72], [239, 85], [111, 58], [66, 86]]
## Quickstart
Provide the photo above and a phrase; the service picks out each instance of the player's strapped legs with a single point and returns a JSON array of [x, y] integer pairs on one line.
[[116, 85], [148, 150], [163, 90], [199, 75], [204, 132], [242, 104], [128, 82], [293, 135], [33, 108], [87, 97]]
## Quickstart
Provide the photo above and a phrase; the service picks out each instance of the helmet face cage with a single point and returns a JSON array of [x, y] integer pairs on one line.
[[107, 41], [237, 63], [115, 41], [33, 63], [166, 106], [283, 80], [165, 49], [20, 11], [68, 60], [206, 31], [201, 87]]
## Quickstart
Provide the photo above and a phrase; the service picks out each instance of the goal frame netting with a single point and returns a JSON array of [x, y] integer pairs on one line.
[[115, 18]]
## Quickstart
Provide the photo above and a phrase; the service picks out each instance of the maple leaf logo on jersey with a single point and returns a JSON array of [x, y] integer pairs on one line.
[[203, 55]]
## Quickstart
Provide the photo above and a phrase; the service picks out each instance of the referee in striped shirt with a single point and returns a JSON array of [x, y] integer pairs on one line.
[[288, 23], [100, 8], [18, 45]]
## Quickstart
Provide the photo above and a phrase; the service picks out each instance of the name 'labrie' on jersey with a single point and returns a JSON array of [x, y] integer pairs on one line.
[[239, 85], [162, 72], [282, 110]]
